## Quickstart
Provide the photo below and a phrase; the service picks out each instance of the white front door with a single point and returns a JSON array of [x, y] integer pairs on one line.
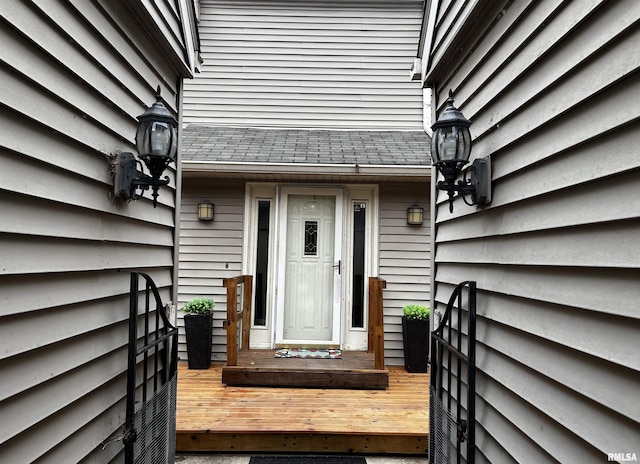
[[310, 264]]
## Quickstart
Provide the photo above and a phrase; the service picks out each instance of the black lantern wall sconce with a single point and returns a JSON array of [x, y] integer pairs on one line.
[[414, 215], [157, 144], [205, 211], [450, 151]]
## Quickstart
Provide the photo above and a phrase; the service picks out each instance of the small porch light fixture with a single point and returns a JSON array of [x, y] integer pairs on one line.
[[205, 211], [157, 144], [414, 215], [450, 150]]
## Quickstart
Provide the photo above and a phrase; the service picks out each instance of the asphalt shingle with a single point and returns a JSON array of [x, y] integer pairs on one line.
[[252, 145]]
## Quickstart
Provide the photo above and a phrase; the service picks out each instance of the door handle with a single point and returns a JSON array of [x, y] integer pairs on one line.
[[338, 266]]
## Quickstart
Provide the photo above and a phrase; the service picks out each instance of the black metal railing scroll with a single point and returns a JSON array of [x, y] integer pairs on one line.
[[453, 377], [150, 434]]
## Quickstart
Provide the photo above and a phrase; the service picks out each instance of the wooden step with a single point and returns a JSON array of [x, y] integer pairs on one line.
[[356, 370]]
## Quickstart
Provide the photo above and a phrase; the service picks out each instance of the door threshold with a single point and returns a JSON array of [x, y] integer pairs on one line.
[[307, 346]]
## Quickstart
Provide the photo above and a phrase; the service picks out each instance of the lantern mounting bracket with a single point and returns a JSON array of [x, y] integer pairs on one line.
[[128, 178], [476, 184]]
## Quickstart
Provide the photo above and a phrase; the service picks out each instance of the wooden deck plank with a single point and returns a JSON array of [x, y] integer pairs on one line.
[[215, 417], [266, 358], [356, 369]]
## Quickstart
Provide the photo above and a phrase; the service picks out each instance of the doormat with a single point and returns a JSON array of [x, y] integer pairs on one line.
[[308, 354], [308, 460]]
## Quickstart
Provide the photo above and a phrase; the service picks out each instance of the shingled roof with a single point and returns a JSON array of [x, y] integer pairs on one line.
[[298, 146]]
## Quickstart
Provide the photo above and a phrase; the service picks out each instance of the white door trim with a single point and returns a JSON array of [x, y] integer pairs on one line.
[[355, 338], [261, 336]]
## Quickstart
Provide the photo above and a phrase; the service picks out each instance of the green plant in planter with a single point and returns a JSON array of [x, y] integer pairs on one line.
[[198, 326], [415, 333], [416, 312], [198, 306]]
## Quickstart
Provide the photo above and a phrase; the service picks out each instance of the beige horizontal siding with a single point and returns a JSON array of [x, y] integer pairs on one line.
[[210, 252], [75, 77], [403, 260], [552, 92], [307, 65]]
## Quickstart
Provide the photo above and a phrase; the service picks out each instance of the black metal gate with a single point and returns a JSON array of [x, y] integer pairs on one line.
[[453, 377], [150, 429]]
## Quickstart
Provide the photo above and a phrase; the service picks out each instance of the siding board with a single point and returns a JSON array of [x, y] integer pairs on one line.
[[82, 443], [552, 90], [25, 410], [63, 255], [601, 246], [575, 413], [73, 418], [61, 290], [57, 150], [400, 249], [577, 205], [23, 215], [55, 325], [561, 446], [143, 88], [599, 72], [584, 124], [578, 288], [307, 66], [75, 76], [524, 55], [209, 253], [44, 361], [474, 65], [534, 352], [27, 60], [41, 106]]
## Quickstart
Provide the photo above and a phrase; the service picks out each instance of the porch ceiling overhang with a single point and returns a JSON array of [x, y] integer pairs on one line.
[[291, 171], [299, 154]]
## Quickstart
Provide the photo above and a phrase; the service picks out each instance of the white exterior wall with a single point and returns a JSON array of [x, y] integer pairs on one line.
[[552, 89], [73, 81], [320, 65]]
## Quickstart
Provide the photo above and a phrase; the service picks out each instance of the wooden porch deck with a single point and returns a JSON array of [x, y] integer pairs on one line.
[[215, 417]]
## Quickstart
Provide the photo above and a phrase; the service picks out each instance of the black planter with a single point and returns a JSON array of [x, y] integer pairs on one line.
[[199, 331], [416, 344]]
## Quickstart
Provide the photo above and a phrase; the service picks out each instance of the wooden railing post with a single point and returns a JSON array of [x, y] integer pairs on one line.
[[232, 321], [372, 322], [376, 320], [247, 291]]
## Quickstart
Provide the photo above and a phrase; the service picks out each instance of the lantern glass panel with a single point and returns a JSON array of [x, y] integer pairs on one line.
[[414, 215], [155, 138], [205, 211], [451, 143]]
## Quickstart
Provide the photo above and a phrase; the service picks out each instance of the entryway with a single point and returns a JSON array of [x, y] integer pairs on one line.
[[311, 249], [251, 367]]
